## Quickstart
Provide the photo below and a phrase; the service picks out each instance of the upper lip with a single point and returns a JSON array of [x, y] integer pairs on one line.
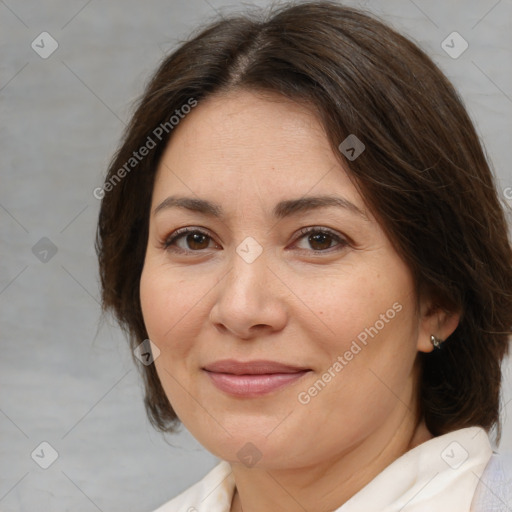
[[257, 367]]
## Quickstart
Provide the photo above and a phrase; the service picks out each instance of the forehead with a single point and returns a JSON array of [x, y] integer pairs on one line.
[[238, 143]]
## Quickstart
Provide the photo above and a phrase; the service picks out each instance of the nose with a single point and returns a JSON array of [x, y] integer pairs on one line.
[[250, 300]]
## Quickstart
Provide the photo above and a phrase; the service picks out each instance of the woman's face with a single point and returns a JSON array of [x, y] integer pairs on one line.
[[270, 270]]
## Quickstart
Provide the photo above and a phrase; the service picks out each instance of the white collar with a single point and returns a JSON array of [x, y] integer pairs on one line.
[[439, 475]]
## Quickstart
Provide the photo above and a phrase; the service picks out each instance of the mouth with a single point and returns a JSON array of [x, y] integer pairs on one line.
[[252, 378]]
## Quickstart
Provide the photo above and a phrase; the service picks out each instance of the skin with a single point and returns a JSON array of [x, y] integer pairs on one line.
[[301, 302]]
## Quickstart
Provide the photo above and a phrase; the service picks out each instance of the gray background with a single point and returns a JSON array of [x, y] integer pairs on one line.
[[66, 376]]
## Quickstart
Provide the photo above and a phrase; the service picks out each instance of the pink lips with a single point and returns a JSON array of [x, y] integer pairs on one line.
[[252, 378]]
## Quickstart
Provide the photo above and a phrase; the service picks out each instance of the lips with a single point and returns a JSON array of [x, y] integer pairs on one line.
[[252, 378], [258, 367]]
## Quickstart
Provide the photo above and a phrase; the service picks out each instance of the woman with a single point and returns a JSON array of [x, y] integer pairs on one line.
[[302, 221]]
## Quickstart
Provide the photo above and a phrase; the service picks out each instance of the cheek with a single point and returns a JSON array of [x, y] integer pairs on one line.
[[368, 368], [169, 307], [155, 303], [166, 300], [343, 307], [368, 319], [175, 309]]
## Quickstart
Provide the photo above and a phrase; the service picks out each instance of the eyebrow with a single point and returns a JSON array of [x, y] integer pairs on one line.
[[283, 209]]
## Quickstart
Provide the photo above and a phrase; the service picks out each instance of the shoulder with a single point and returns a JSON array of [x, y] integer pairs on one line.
[[494, 491], [212, 493]]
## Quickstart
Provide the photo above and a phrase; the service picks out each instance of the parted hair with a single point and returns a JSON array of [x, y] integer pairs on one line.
[[423, 173]]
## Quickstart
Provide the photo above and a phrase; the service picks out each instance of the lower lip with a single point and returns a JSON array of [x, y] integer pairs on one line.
[[253, 385]]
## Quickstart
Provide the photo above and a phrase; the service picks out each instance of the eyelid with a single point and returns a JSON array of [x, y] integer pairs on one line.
[[315, 229]]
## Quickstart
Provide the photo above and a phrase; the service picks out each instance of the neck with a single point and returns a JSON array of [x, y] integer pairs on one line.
[[326, 486]]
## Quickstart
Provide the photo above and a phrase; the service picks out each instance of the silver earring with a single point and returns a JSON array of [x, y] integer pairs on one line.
[[435, 341]]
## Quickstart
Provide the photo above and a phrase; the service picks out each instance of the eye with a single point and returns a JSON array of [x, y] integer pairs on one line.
[[196, 240], [321, 239], [188, 240]]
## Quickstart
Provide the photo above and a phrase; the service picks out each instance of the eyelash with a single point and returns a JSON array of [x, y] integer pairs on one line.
[[180, 233]]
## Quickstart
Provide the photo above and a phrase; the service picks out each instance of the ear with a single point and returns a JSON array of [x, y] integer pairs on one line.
[[434, 320]]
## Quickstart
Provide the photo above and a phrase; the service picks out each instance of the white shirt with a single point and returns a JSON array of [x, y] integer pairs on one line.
[[445, 474]]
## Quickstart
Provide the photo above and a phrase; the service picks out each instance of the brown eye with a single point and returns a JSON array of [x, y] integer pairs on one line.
[[187, 240], [320, 240], [197, 241]]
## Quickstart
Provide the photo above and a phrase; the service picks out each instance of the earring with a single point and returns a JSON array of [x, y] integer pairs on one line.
[[436, 341]]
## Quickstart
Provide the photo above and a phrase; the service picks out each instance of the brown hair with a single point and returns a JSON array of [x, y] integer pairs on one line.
[[423, 174]]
